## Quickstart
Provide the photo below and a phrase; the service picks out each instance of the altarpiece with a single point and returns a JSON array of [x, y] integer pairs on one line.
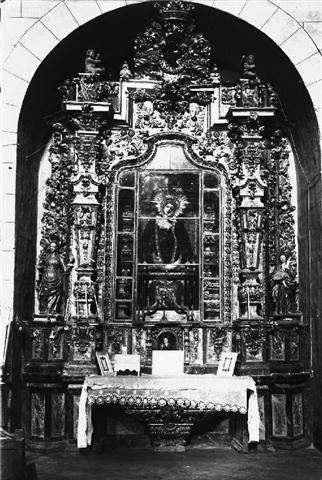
[[167, 223]]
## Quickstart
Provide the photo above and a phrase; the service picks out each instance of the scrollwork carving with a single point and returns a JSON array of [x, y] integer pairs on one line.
[[82, 336], [218, 341], [117, 145], [254, 339], [172, 52]]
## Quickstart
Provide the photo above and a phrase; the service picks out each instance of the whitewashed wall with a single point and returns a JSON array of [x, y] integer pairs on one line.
[[32, 28]]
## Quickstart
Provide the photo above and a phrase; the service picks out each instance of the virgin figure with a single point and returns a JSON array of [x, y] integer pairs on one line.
[[165, 239]]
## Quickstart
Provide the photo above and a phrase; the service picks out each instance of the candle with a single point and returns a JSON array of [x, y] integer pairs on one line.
[[86, 303]]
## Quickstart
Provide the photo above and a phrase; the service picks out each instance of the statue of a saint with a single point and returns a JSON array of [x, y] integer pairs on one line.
[[51, 284], [165, 239], [283, 287]]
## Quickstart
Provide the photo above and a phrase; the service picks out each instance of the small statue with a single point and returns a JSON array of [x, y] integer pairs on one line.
[[214, 75], [273, 97], [284, 286], [165, 345], [93, 62], [249, 68], [51, 285], [125, 72]]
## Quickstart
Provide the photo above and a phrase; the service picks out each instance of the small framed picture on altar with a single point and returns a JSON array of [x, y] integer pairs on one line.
[[227, 364], [104, 363]]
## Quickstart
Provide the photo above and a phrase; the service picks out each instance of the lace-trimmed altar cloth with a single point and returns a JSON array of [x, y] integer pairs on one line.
[[192, 392]]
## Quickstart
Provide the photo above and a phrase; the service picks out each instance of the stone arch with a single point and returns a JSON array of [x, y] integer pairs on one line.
[[41, 30]]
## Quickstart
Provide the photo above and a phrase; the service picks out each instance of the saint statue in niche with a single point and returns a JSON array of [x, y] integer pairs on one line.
[[51, 284], [165, 239], [283, 287]]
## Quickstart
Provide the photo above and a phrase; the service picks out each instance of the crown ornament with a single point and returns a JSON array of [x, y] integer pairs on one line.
[[174, 10]]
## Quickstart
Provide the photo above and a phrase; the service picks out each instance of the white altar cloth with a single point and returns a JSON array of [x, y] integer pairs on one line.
[[193, 392]]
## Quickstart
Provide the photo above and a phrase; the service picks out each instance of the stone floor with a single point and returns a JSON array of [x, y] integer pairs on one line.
[[211, 464]]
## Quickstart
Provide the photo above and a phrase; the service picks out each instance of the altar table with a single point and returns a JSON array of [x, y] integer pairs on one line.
[[207, 393]]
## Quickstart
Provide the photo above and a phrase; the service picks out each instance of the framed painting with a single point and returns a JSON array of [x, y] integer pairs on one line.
[[104, 363], [227, 364]]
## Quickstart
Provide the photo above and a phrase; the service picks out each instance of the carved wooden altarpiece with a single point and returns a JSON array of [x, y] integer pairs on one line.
[[168, 215]]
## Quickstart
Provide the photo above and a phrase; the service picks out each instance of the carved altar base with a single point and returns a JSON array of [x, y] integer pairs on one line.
[[169, 428], [169, 437]]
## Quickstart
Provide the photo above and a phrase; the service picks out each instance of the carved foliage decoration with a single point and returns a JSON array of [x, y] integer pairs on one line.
[[82, 337], [217, 340], [281, 228], [172, 45], [173, 52], [148, 119], [282, 236], [217, 145], [91, 90], [56, 217], [118, 144], [86, 152], [117, 340], [254, 339]]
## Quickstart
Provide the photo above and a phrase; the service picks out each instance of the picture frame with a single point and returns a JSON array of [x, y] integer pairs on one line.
[[227, 364], [104, 364]]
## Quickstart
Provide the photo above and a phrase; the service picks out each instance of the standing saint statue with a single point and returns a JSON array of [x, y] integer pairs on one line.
[[51, 285], [283, 286]]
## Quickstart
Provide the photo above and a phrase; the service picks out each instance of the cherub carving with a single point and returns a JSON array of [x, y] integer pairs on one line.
[[93, 62]]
